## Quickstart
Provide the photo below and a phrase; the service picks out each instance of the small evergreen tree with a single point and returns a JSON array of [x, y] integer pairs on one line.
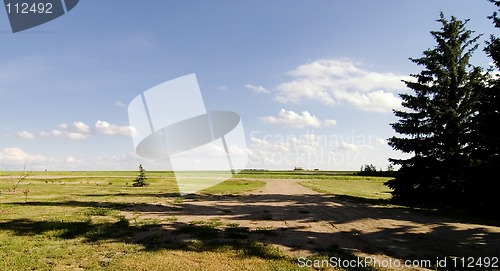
[[141, 179], [437, 126]]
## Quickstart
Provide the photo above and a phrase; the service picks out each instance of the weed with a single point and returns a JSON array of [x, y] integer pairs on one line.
[[99, 211], [178, 201], [122, 220], [205, 229], [213, 222], [148, 222], [201, 231], [26, 192], [16, 181], [172, 219], [233, 230], [265, 251], [266, 231]]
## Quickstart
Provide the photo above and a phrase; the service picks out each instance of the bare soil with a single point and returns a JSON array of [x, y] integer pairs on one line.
[[306, 222]]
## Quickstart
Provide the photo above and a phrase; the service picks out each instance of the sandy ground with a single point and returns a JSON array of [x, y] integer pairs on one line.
[[307, 222]]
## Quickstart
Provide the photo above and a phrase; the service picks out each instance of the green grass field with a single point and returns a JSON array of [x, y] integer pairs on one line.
[[299, 174], [84, 222], [367, 189]]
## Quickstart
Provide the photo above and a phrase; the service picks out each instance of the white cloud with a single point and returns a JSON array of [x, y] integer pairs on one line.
[[272, 147], [341, 81], [263, 151], [76, 136], [112, 129], [73, 160], [211, 156], [63, 126], [26, 135], [16, 155], [81, 127], [329, 122], [120, 104], [292, 119], [381, 141], [126, 161], [349, 147], [53, 133], [222, 87], [77, 131], [257, 89]]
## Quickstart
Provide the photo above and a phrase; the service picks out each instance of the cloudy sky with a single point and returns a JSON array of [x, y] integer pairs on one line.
[[313, 81]]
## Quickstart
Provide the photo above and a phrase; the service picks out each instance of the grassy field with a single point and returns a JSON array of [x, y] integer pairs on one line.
[[93, 221], [369, 189], [283, 174], [90, 174], [298, 174]]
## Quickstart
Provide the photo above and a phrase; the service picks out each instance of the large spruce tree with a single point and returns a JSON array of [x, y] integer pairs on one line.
[[489, 115], [437, 124], [491, 98], [486, 185]]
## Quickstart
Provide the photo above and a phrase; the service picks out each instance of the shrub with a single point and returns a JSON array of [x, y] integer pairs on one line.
[[141, 179]]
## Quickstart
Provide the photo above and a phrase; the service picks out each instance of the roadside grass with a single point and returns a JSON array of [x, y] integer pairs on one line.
[[94, 223], [365, 189]]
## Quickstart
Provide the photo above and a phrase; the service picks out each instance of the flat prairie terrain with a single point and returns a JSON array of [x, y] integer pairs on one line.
[[253, 222]]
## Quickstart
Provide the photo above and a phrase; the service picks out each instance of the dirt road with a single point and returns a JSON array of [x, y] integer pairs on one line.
[[307, 222]]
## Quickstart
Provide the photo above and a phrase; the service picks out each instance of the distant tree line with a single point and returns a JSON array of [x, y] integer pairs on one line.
[[371, 170], [450, 124]]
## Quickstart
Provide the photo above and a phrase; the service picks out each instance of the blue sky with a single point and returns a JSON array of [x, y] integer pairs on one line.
[[313, 81]]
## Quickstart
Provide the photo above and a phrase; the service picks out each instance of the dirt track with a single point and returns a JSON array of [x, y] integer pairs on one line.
[[308, 222]]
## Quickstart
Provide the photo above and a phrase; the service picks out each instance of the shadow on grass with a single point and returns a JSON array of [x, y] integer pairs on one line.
[[363, 200], [154, 195], [119, 206], [69, 230], [367, 226], [197, 236]]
